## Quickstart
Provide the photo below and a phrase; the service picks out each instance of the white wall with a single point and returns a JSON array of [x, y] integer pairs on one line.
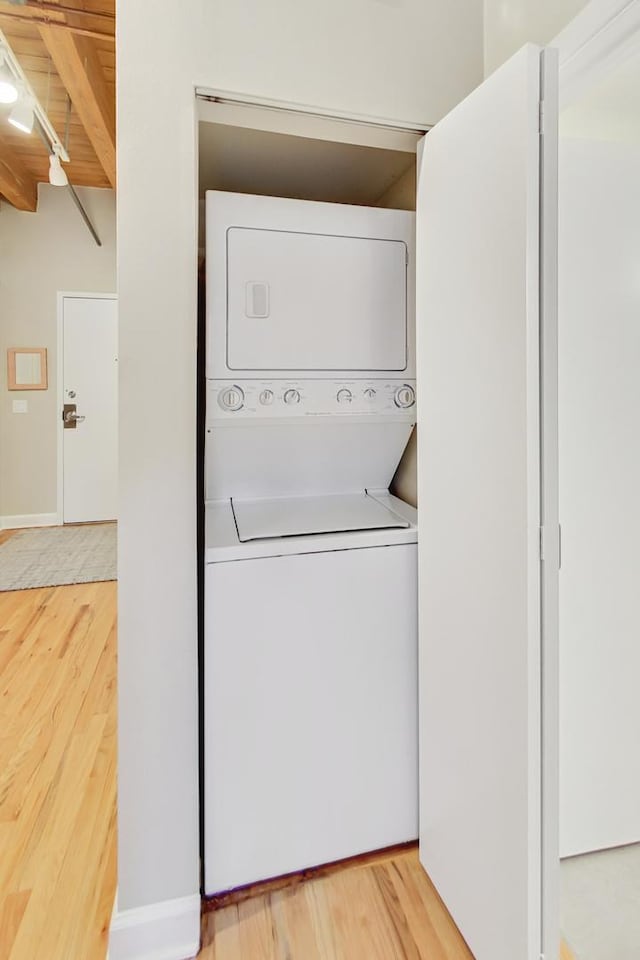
[[405, 59], [402, 59], [599, 364], [40, 254], [509, 25]]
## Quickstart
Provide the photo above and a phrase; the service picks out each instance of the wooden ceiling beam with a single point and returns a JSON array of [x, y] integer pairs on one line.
[[16, 183], [76, 61], [75, 11], [15, 13]]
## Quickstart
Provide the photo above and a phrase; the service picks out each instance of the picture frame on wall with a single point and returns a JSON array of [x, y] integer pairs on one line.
[[27, 368]]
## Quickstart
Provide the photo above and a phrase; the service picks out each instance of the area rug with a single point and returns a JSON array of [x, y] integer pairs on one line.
[[54, 556], [601, 904]]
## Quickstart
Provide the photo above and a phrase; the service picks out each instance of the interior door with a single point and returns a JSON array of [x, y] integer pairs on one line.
[[90, 412], [486, 246]]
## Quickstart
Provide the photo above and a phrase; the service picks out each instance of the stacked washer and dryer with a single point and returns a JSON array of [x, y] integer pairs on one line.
[[310, 635]]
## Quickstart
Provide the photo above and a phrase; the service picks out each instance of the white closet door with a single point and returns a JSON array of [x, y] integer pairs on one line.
[[479, 493]]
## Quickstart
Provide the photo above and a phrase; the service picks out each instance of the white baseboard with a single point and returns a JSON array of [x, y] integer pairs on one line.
[[169, 930], [29, 520]]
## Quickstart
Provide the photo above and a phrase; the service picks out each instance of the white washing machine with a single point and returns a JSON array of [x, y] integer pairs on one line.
[[310, 652]]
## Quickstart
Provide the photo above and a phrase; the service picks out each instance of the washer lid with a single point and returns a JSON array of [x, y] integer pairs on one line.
[[301, 516]]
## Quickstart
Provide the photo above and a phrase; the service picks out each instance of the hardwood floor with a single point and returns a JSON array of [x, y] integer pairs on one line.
[[385, 909], [57, 771]]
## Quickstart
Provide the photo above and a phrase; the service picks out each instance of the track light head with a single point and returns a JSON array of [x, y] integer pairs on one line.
[[57, 176]]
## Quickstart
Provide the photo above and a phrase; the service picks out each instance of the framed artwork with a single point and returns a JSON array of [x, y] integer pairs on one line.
[[27, 368]]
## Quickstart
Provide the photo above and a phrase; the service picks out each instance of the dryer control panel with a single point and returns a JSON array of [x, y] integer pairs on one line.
[[233, 400]]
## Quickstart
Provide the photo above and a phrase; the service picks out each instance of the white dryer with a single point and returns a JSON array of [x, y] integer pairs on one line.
[[310, 652]]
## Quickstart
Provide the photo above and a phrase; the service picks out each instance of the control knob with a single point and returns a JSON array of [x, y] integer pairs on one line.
[[291, 396], [231, 398], [405, 396], [266, 397], [370, 393], [344, 396]]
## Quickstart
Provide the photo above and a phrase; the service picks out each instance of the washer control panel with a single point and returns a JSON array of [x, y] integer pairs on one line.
[[276, 399]]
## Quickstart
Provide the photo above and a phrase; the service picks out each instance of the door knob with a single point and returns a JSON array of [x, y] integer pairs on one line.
[[70, 417]]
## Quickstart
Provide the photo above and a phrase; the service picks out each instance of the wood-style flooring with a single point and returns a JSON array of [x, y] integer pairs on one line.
[[380, 909], [57, 819], [57, 771]]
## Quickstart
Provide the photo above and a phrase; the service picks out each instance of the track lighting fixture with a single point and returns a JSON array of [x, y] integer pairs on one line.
[[14, 84], [29, 114], [57, 176]]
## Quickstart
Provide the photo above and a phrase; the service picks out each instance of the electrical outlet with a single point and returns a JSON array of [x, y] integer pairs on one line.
[[20, 406]]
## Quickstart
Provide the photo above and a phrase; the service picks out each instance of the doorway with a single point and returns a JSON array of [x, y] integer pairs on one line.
[[88, 397], [599, 398]]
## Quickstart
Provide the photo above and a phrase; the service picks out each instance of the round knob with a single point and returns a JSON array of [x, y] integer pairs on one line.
[[405, 396], [291, 396], [370, 393], [231, 398], [266, 397], [344, 396]]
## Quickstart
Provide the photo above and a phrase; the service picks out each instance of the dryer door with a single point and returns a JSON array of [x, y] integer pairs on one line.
[[310, 302]]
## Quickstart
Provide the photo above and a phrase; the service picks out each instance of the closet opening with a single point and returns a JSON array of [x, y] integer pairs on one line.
[[284, 492]]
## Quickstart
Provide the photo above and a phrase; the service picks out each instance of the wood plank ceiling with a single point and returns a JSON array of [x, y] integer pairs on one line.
[[67, 51]]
